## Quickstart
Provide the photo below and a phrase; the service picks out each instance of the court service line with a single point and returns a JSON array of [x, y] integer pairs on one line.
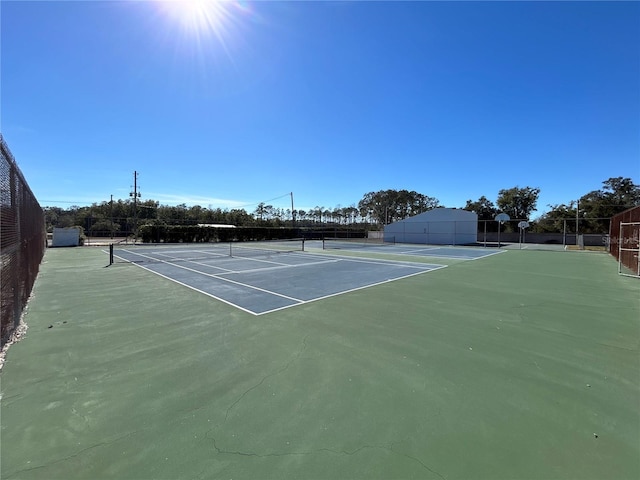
[[226, 270], [392, 263], [267, 269], [253, 259]]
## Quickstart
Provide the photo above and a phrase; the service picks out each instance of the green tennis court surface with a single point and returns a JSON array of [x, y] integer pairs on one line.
[[518, 365]]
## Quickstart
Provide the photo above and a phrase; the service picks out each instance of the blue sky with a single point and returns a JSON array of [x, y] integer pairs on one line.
[[243, 102]]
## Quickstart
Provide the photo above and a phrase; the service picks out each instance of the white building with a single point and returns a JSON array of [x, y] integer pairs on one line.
[[441, 226]]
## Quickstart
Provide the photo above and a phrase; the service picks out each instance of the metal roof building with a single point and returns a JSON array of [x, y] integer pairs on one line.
[[441, 226]]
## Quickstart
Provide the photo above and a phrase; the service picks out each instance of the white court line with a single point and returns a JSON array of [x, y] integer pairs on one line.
[[455, 257], [223, 279], [253, 259], [390, 263], [194, 261], [424, 268], [280, 267], [490, 254], [378, 261], [174, 259], [159, 260], [197, 289], [418, 250], [352, 290], [190, 250]]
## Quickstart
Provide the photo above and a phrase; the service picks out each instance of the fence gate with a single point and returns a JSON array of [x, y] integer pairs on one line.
[[629, 249]]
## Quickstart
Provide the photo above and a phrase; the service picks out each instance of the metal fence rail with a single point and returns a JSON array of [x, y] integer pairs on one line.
[[22, 241]]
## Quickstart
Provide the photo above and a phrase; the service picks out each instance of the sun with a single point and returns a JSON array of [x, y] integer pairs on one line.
[[204, 30], [198, 16]]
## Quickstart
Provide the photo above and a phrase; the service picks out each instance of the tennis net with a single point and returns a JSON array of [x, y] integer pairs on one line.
[[265, 247], [200, 252], [355, 243]]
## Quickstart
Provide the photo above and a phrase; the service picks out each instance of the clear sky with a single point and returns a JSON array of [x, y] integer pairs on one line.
[[234, 103]]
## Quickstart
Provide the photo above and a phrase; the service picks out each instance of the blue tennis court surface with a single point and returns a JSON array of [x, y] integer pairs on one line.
[[440, 251], [270, 281], [444, 252]]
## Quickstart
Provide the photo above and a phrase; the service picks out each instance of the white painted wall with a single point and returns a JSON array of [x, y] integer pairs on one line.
[[441, 226]]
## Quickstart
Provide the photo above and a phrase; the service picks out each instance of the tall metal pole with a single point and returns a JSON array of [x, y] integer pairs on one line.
[[135, 205], [485, 233], [111, 214], [577, 214], [293, 212], [135, 194]]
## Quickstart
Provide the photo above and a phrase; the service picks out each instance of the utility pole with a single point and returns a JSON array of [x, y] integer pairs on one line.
[[293, 212], [135, 194]]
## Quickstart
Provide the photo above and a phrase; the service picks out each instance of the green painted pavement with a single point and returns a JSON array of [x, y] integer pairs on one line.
[[503, 367]]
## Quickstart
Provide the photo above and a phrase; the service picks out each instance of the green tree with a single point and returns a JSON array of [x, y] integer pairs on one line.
[[592, 210], [560, 218], [387, 206], [598, 206], [517, 202], [617, 195], [483, 207]]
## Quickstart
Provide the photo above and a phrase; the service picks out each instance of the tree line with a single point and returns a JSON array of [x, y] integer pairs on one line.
[[590, 213], [374, 210]]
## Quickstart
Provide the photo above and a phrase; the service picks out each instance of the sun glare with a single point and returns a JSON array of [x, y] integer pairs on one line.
[[198, 16], [204, 30]]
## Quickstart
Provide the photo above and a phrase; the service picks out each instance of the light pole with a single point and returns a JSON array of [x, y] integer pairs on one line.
[[135, 194], [577, 216], [111, 214]]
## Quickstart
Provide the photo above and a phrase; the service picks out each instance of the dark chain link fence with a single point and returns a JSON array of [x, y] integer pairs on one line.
[[625, 239], [22, 241]]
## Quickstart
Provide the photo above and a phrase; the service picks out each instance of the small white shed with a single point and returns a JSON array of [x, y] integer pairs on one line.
[[441, 226]]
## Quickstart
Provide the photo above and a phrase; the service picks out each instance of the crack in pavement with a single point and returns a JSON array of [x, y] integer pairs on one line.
[[415, 459], [69, 457], [220, 450], [278, 372], [388, 448]]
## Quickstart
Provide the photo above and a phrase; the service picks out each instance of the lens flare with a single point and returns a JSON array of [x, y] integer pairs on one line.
[[200, 21], [198, 16]]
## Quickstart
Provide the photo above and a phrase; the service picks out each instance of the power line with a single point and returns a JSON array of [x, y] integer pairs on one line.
[[265, 201]]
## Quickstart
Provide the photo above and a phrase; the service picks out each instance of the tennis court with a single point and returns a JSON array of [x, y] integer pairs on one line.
[[262, 280], [520, 365], [438, 251]]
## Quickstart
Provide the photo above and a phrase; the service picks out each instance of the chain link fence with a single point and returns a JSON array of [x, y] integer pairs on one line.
[[22, 241], [561, 232], [624, 241]]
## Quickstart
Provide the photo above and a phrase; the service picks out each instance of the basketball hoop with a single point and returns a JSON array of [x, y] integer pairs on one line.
[[501, 218]]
